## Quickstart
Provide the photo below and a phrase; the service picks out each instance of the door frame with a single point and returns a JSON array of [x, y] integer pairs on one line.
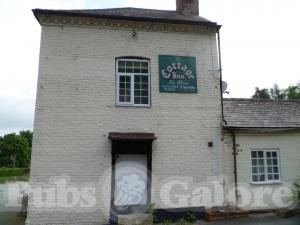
[[139, 147]]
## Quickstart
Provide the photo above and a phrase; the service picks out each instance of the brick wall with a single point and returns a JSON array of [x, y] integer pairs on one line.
[[75, 111]]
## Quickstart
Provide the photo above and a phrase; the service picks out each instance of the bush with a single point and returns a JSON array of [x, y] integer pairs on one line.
[[13, 172], [191, 218]]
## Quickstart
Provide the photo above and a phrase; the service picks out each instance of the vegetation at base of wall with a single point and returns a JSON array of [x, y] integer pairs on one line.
[[188, 219], [13, 174], [297, 185], [290, 93], [151, 208]]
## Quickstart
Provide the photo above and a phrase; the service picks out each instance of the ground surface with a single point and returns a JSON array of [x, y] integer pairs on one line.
[[257, 220], [10, 204]]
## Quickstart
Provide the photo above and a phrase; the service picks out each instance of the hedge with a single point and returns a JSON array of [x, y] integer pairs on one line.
[[13, 172]]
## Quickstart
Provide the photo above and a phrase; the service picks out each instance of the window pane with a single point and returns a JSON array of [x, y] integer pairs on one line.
[[253, 154], [124, 88], [144, 93], [254, 162], [276, 177], [137, 93], [274, 154], [137, 67], [270, 177], [137, 100], [260, 162], [262, 178], [129, 67], [260, 154], [268, 154], [275, 169], [255, 178], [144, 100], [261, 169], [270, 169], [121, 66], [269, 162], [274, 161], [254, 170], [144, 67]]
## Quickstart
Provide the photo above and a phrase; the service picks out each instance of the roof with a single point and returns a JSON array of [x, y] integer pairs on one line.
[[134, 14], [259, 113]]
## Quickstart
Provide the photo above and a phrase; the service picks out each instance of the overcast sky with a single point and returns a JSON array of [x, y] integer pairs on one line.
[[260, 46]]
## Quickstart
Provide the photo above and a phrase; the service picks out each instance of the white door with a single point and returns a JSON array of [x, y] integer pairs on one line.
[[130, 180]]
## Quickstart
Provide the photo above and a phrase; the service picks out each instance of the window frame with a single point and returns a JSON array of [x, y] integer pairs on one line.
[[132, 76], [265, 165]]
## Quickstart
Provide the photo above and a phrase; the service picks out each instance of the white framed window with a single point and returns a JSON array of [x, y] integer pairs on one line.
[[265, 165], [133, 82]]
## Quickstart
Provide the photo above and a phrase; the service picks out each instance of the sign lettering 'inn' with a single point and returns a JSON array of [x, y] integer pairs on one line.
[[177, 74]]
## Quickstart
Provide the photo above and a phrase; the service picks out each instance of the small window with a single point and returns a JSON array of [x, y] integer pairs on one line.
[[133, 82], [265, 166]]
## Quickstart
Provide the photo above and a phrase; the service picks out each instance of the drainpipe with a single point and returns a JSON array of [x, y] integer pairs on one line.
[[220, 72], [235, 167]]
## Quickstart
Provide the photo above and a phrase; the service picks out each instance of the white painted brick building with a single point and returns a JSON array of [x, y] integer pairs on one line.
[[78, 105], [133, 95]]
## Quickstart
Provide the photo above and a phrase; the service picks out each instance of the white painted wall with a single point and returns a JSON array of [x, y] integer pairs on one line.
[[75, 111], [288, 144]]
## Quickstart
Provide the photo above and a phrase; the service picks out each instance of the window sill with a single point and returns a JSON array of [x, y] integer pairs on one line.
[[265, 182], [130, 105]]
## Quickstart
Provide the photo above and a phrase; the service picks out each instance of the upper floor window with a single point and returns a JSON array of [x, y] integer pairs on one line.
[[265, 166], [133, 82]]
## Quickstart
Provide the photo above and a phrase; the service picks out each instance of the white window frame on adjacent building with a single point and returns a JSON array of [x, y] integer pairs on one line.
[[133, 82], [265, 166]]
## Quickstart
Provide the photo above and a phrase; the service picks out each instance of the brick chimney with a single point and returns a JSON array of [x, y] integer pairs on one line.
[[188, 7]]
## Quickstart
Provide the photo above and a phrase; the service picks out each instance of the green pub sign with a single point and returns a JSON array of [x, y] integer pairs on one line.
[[177, 74]]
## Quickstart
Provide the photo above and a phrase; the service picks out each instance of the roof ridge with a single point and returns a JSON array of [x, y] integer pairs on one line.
[[261, 100]]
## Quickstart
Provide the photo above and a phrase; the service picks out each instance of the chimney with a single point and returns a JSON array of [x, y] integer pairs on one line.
[[188, 7]]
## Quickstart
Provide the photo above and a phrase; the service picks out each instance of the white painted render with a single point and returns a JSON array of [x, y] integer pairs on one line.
[[288, 144]]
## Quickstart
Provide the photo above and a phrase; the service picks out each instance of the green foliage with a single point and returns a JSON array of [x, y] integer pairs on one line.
[[293, 92], [290, 93], [8, 172], [167, 222], [14, 174], [182, 222], [190, 218], [14, 178], [297, 185], [151, 208], [15, 150], [27, 134], [261, 93], [277, 93]]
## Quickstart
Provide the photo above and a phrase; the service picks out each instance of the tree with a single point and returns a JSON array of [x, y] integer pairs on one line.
[[27, 134], [15, 150], [293, 92], [261, 93], [277, 93], [290, 93]]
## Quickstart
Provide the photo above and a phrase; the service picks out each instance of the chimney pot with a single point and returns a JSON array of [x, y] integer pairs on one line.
[[188, 7]]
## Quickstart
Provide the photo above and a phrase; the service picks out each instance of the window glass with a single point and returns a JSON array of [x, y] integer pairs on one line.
[[133, 77], [265, 165]]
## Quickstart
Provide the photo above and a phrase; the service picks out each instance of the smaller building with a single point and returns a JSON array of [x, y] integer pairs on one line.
[[261, 151]]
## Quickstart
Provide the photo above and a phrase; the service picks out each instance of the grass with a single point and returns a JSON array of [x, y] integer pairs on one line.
[[13, 174]]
